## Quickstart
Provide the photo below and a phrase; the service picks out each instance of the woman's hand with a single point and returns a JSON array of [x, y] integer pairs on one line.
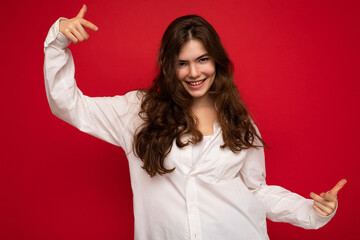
[[325, 203], [74, 28]]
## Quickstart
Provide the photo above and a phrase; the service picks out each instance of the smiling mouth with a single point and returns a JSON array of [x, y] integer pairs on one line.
[[196, 83]]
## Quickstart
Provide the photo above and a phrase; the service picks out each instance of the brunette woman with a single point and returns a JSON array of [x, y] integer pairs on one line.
[[196, 158]]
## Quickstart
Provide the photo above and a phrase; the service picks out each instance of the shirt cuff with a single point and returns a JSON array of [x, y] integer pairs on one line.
[[56, 38]]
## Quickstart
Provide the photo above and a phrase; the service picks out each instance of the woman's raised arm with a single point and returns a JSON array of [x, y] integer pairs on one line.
[[112, 119]]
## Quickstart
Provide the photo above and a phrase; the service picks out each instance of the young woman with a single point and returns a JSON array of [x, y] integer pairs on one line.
[[196, 158]]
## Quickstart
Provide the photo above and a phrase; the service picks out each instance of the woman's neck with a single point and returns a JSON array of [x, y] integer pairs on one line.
[[205, 112], [203, 102]]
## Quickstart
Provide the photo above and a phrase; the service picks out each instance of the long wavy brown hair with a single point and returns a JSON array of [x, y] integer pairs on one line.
[[166, 106]]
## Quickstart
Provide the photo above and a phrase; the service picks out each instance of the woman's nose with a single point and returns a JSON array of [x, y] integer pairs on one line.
[[194, 71]]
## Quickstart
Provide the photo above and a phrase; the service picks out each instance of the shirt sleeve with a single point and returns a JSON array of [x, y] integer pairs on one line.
[[112, 119], [281, 205]]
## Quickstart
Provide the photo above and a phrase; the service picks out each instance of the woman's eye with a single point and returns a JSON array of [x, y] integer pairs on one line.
[[182, 64], [203, 59]]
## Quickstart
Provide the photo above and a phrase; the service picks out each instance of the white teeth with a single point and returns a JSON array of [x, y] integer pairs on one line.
[[196, 83]]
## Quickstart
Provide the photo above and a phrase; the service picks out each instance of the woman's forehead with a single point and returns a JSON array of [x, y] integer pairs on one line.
[[192, 50]]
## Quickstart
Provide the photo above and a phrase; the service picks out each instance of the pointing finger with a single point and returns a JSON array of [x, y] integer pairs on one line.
[[82, 12], [88, 24], [322, 200], [337, 187], [316, 197]]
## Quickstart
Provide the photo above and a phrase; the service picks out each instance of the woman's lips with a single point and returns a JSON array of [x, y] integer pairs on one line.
[[196, 84]]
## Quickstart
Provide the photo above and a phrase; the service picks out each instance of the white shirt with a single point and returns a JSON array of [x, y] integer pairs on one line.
[[221, 195], [196, 148]]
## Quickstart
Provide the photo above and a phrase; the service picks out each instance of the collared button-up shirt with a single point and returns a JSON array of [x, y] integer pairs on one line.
[[220, 195]]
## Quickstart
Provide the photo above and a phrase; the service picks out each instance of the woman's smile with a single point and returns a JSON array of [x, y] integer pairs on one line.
[[196, 84]]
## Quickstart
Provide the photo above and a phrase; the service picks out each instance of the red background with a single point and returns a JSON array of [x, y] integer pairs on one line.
[[296, 65]]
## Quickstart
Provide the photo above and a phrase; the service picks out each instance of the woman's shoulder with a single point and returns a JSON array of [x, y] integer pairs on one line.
[[135, 96]]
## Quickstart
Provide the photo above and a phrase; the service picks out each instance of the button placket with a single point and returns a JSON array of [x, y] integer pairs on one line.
[[190, 191], [192, 208]]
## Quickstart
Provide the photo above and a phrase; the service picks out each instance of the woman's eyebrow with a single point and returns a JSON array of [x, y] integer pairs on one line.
[[204, 55]]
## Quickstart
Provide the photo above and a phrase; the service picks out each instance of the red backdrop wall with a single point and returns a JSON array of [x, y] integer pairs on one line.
[[296, 65]]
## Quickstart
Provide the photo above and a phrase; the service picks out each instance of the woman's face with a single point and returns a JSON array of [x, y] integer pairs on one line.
[[196, 69]]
